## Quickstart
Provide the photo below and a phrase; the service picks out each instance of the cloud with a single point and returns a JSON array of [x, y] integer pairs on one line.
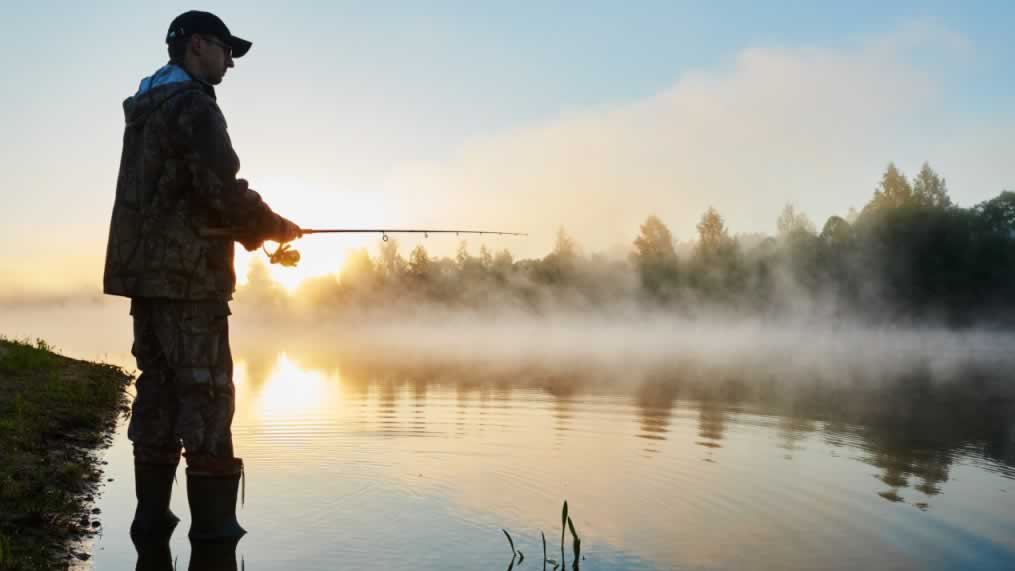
[[811, 125]]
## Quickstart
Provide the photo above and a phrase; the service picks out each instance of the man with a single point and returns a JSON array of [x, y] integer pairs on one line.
[[177, 179]]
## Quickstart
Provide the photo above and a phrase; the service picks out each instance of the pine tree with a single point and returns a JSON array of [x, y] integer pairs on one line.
[[894, 191], [930, 190]]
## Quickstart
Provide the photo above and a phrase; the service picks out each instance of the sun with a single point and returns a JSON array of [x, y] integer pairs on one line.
[[315, 204], [289, 278], [315, 261]]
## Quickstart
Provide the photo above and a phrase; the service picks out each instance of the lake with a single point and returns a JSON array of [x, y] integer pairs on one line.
[[676, 446]]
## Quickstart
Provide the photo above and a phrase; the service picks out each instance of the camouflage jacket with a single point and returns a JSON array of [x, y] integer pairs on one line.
[[178, 176]]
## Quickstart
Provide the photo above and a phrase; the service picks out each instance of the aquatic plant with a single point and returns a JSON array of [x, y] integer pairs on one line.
[[516, 555], [566, 524]]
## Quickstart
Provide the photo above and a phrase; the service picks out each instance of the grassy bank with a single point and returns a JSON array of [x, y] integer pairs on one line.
[[54, 413]]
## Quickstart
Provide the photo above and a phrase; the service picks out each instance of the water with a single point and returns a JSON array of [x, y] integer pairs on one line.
[[386, 460]]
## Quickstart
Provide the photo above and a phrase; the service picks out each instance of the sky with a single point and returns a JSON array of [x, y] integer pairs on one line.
[[519, 116]]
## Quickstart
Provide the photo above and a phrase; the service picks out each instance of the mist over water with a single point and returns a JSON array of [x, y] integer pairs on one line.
[[635, 341], [623, 346]]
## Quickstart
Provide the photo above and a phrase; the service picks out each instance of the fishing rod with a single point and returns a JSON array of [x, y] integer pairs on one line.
[[289, 257]]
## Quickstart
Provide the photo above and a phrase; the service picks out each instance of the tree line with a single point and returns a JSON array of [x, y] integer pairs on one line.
[[909, 254]]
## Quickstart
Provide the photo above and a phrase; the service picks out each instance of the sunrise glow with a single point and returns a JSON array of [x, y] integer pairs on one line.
[[291, 391]]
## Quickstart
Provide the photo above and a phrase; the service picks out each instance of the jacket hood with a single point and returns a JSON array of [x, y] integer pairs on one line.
[[156, 89]]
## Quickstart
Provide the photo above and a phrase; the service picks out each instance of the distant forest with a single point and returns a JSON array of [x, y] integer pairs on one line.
[[910, 254]]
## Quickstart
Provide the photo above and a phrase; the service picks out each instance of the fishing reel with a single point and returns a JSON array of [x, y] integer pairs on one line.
[[283, 255]]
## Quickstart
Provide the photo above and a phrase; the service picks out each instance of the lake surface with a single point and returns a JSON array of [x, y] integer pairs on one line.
[[387, 460]]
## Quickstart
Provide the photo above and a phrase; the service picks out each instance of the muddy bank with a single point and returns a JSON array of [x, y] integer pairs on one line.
[[55, 413]]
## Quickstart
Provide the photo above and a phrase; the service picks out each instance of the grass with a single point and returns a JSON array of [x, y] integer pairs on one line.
[[54, 412], [576, 546]]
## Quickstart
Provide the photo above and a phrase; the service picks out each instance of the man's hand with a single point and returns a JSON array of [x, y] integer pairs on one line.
[[287, 231]]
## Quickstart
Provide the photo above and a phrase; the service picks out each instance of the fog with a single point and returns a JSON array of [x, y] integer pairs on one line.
[[624, 344]]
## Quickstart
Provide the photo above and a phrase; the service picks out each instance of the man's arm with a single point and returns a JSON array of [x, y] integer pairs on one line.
[[212, 164]]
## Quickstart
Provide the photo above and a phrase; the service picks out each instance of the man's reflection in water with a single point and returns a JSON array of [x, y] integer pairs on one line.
[[154, 554], [213, 556]]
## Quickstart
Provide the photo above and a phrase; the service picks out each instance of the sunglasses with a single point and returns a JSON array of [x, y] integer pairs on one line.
[[225, 48]]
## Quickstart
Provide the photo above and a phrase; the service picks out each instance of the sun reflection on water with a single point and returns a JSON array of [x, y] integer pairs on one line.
[[290, 392]]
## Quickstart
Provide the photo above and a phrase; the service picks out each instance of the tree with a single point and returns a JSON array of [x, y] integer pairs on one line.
[[560, 265], [566, 249], [462, 257], [485, 257], [391, 263], [836, 231], [419, 263], [712, 234], [654, 244], [791, 221], [469, 267], [258, 275], [261, 287], [894, 191], [999, 213], [717, 268], [358, 269], [503, 262], [654, 256], [930, 190]]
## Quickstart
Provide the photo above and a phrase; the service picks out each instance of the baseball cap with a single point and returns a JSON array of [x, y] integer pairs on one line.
[[197, 22]]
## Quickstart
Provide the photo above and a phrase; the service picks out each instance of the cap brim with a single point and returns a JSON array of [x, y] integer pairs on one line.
[[240, 46]]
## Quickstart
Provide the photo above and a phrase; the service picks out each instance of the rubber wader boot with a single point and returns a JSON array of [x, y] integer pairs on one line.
[[153, 486], [211, 494]]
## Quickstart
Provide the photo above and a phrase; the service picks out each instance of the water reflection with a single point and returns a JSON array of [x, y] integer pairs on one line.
[[387, 417], [563, 415], [334, 444], [655, 399], [711, 423], [156, 555], [418, 422], [461, 408], [973, 413], [905, 452], [289, 390], [793, 431], [913, 431], [213, 557], [910, 429]]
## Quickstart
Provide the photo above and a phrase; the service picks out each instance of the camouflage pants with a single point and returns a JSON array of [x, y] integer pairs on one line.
[[185, 395]]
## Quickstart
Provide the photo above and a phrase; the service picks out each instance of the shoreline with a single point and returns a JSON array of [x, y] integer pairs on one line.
[[56, 414]]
